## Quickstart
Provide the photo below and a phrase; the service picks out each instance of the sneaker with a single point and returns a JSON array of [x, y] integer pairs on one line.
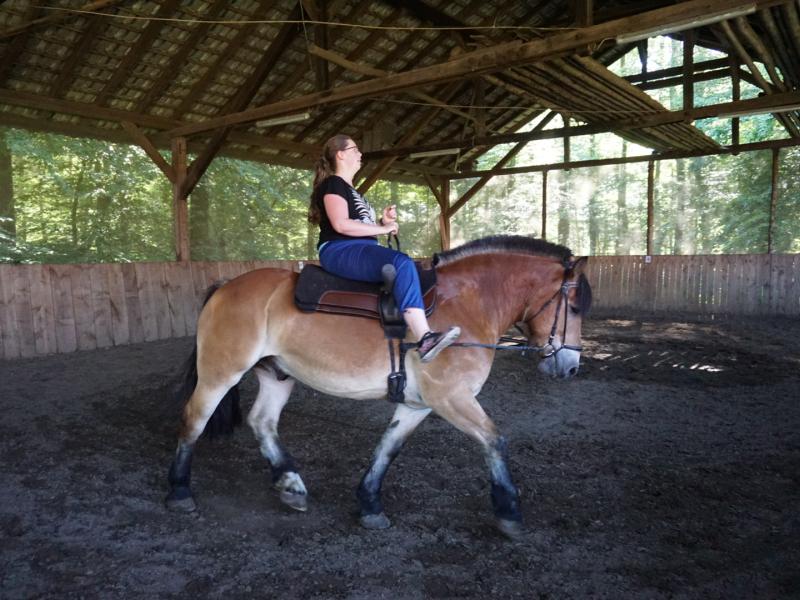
[[434, 342]]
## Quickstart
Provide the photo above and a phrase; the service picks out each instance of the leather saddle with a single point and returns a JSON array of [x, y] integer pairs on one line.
[[320, 291]]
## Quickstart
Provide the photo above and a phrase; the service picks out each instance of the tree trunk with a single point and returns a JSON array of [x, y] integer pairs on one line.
[[198, 220], [8, 212], [622, 243], [594, 212], [680, 206]]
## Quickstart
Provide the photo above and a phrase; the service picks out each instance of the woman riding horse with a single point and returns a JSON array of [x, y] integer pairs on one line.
[[485, 286], [348, 246]]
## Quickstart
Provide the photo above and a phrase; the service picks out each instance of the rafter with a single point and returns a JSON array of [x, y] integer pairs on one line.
[[484, 61]]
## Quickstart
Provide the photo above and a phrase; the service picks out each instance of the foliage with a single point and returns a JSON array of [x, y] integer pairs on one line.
[[76, 200]]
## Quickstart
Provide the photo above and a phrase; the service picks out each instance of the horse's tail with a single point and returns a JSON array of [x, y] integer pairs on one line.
[[228, 414]]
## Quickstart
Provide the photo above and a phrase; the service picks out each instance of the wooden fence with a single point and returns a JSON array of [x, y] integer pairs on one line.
[[47, 309], [731, 284]]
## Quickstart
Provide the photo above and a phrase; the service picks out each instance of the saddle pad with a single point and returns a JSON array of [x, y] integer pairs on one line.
[[318, 290]]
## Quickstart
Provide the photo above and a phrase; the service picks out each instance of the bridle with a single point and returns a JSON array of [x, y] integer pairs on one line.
[[562, 296]]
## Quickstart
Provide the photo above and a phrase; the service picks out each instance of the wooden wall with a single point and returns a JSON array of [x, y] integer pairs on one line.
[[48, 309], [732, 284]]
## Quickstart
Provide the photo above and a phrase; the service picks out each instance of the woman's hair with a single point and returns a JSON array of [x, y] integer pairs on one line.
[[325, 167]]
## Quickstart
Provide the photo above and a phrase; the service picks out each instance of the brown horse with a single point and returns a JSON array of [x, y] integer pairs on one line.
[[485, 287]]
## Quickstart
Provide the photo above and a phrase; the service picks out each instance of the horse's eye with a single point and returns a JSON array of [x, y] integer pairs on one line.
[[575, 310]]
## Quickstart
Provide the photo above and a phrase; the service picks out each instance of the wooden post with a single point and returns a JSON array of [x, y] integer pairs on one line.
[[567, 152], [737, 87], [688, 70], [544, 205], [773, 200], [180, 206], [444, 218], [650, 196]]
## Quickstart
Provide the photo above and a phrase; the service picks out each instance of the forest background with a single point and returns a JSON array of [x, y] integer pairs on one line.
[[72, 200]]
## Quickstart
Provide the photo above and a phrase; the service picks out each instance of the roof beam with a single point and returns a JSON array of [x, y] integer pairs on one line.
[[602, 162], [485, 60], [770, 103]]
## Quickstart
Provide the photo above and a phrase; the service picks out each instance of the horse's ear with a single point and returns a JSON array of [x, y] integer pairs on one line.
[[577, 265]]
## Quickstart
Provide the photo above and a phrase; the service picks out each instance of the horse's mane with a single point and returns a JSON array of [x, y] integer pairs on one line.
[[516, 244]]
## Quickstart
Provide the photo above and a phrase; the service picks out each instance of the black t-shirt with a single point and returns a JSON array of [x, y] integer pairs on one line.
[[358, 209]]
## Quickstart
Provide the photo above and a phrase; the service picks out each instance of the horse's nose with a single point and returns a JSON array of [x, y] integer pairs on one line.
[[572, 372]]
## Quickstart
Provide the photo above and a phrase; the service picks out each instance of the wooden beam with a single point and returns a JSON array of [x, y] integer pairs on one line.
[[582, 12], [56, 16], [483, 61], [408, 137], [650, 205], [180, 205], [75, 53], [499, 165], [373, 72], [688, 70], [602, 162], [90, 111], [16, 46], [764, 104], [544, 205], [150, 149]]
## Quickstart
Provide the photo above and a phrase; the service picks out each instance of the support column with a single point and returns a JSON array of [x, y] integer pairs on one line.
[[180, 205], [650, 201], [444, 216], [544, 205]]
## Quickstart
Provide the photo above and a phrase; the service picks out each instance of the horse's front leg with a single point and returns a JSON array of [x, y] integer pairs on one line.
[[458, 406], [404, 421], [273, 393]]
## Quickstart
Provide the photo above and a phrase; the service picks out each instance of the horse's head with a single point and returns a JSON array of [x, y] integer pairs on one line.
[[556, 325]]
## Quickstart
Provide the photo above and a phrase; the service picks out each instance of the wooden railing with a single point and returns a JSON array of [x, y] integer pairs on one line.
[[731, 284], [47, 309]]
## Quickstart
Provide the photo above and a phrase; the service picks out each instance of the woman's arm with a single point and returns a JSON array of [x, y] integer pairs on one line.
[[338, 215]]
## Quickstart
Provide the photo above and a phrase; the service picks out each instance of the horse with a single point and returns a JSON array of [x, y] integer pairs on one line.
[[485, 287]]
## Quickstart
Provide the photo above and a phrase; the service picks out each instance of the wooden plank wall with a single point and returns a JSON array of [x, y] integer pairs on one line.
[[47, 309], [738, 284]]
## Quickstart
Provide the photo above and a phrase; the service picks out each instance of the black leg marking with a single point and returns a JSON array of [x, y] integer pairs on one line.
[[505, 497], [180, 475]]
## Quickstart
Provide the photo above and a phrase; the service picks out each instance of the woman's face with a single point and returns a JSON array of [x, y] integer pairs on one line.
[[349, 158]]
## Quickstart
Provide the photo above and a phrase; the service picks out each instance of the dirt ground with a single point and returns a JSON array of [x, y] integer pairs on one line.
[[669, 468]]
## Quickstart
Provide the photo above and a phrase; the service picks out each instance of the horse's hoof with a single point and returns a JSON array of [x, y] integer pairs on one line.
[[295, 500], [180, 500], [379, 521], [511, 529]]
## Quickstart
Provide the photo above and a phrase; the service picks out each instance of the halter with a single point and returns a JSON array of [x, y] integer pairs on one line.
[[548, 349]]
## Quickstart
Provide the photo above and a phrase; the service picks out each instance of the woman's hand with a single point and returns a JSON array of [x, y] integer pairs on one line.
[[390, 214], [390, 228]]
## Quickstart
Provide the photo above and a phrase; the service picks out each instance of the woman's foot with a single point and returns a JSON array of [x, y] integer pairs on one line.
[[434, 342]]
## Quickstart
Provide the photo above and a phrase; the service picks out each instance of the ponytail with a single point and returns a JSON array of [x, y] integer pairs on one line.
[[324, 168]]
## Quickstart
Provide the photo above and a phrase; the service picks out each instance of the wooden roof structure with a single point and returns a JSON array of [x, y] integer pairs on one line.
[[415, 81]]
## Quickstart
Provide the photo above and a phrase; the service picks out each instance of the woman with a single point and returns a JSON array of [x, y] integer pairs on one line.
[[348, 244]]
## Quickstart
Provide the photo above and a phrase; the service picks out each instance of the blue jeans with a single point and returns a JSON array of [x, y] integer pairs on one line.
[[364, 259]]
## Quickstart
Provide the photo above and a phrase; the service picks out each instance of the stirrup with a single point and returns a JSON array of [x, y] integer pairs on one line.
[[432, 343]]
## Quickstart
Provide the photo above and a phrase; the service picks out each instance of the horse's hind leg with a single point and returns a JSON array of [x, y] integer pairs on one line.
[[404, 422], [198, 410], [273, 392]]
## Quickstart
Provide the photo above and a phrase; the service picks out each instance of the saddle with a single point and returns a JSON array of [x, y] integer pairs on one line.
[[320, 291]]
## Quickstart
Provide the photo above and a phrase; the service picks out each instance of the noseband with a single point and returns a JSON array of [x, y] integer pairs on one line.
[[548, 349]]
